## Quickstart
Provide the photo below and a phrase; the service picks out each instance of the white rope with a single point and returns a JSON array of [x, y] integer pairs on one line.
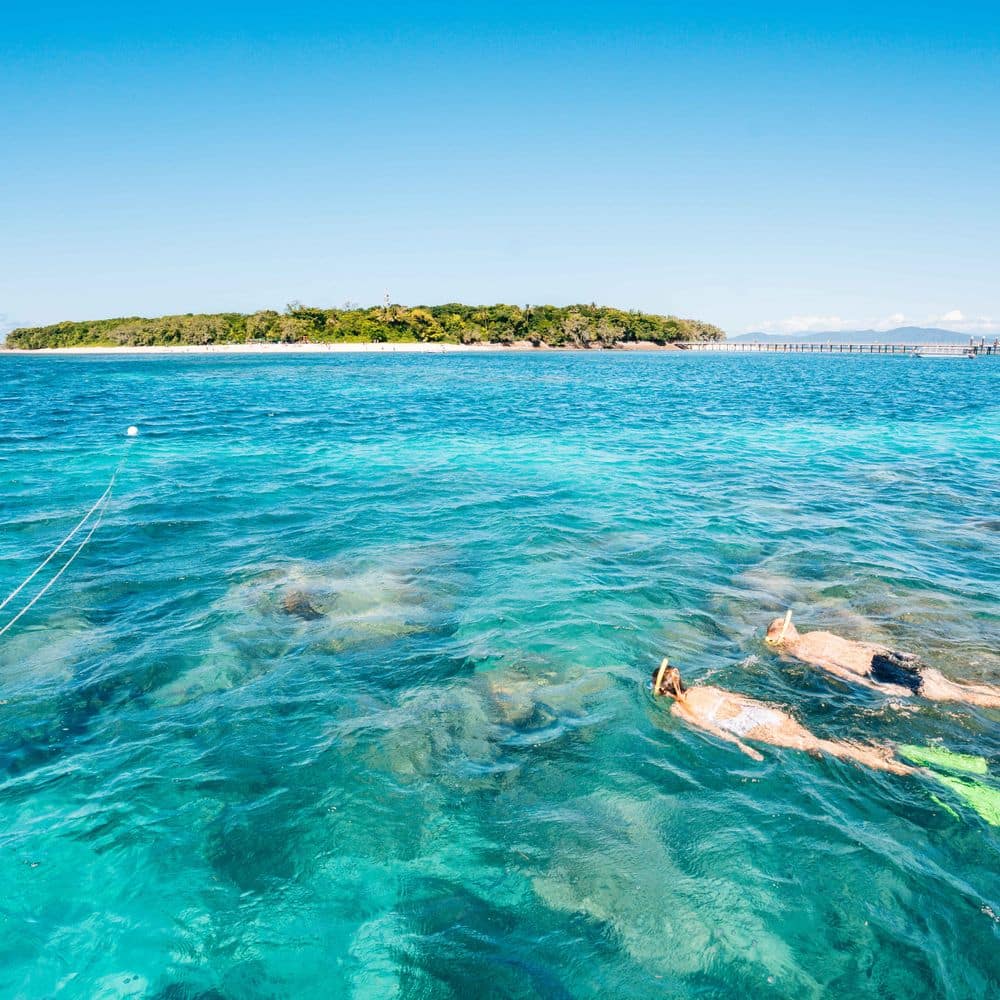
[[57, 549], [103, 498], [62, 569]]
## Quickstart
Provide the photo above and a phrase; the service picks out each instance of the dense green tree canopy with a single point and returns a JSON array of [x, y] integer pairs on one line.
[[556, 326]]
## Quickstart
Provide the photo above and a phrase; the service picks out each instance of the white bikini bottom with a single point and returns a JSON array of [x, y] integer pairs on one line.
[[749, 717]]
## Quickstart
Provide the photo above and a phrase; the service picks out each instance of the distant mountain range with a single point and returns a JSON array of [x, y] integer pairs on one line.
[[900, 335]]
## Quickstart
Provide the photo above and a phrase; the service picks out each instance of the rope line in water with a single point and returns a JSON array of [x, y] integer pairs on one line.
[[62, 569], [104, 499], [56, 550]]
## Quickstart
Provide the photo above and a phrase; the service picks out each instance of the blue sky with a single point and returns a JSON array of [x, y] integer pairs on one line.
[[761, 166]]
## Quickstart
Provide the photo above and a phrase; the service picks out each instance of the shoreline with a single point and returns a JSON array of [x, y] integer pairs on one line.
[[334, 348]]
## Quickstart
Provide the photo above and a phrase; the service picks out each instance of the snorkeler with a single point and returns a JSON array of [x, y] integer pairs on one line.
[[734, 717], [874, 666]]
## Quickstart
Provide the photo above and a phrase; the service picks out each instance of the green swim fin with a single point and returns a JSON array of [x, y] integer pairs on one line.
[[944, 805], [945, 759], [982, 798]]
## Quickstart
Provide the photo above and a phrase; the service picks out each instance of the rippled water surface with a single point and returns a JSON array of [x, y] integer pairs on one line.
[[345, 696]]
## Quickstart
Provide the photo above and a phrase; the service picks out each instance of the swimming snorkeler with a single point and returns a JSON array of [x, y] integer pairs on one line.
[[875, 666], [734, 717]]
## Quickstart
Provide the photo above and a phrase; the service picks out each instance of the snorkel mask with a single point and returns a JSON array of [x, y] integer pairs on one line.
[[669, 673]]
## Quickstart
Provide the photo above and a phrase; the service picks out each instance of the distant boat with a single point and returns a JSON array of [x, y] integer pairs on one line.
[[944, 353]]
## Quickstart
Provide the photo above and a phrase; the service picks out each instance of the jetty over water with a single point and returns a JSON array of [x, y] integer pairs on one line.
[[980, 348]]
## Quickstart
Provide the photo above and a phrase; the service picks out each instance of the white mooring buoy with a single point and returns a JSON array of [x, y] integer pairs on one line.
[[133, 431]]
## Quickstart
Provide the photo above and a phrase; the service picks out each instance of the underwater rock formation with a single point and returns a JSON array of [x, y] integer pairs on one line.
[[308, 608]]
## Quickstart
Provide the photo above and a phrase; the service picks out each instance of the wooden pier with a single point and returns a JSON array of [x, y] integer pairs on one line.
[[726, 346]]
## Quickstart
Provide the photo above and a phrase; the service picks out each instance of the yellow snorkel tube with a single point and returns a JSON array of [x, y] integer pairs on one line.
[[659, 676], [784, 626]]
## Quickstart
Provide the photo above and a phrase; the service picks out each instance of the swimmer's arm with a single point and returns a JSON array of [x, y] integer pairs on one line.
[[839, 670], [723, 734], [893, 690], [826, 659], [832, 666]]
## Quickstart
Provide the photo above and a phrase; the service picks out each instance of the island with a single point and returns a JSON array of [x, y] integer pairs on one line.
[[572, 327]]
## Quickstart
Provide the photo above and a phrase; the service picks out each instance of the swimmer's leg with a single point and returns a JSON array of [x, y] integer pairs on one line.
[[936, 687], [877, 758]]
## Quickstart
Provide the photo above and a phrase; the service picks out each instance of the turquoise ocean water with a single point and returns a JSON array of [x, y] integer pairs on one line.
[[450, 781]]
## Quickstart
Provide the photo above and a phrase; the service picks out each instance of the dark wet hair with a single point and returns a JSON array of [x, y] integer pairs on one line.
[[670, 683]]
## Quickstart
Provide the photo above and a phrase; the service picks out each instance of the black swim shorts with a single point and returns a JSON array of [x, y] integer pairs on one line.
[[902, 669]]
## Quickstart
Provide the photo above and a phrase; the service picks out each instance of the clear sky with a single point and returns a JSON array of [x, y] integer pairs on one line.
[[762, 166]]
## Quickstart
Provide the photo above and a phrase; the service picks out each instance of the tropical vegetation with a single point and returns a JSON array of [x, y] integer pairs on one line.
[[555, 326]]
